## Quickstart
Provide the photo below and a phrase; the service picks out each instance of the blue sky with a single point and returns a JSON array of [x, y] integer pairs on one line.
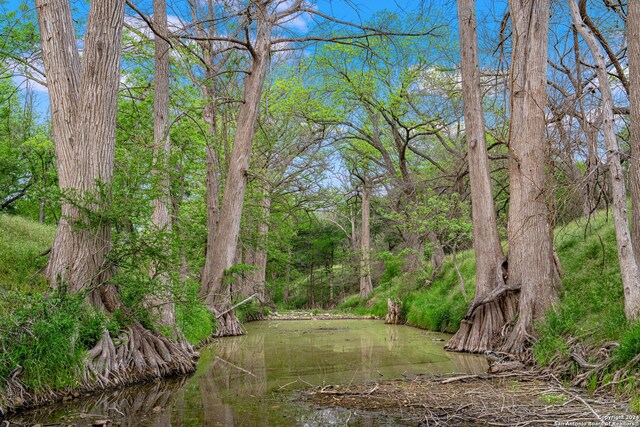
[[359, 11]]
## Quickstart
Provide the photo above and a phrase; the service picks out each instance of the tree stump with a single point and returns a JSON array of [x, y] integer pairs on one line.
[[394, 311]]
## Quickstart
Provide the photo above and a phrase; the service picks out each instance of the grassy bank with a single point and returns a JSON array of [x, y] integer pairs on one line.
[[45, 334], [588, 320]]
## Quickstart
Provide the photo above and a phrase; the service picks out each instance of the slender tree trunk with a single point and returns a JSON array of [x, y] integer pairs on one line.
[[478, 329], [162, 301], [260, 259], [366, 286], [626, 256], [633, 52], [437, 254], [216, 293], [531, 263]]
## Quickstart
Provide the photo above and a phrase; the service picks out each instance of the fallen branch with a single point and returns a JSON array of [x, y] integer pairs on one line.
[[459, 378], [244, 301]]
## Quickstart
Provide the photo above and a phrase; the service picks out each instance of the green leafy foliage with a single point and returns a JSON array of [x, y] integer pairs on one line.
[[592, 302], [194, 319]]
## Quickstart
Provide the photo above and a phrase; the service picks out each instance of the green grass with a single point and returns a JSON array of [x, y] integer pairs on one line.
[[591, 303], [22, 244], [438, 306]]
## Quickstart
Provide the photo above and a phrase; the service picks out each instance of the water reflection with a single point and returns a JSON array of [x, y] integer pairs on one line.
[[248, 380]]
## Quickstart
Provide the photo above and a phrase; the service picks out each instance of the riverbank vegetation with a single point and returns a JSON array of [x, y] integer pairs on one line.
[[200, 164]]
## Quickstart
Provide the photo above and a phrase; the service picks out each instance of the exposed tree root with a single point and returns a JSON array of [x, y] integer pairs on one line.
[[228, 324], [141, 354], [586, 365], [394, 312], [138, 354], [482, 331], [518, 342], [482, 326]]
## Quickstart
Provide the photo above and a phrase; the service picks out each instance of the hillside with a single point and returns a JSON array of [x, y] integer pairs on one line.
[[22, 246], [586, 326]]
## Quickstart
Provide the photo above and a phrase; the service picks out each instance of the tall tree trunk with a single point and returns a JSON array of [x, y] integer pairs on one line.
[[437, 254], [62, 65], [215, 291], [213, 209], [365, 242], [633, 52], [162, 301], [84, 102], [626, 255], [260, 259], [478, 329], [531, 263]]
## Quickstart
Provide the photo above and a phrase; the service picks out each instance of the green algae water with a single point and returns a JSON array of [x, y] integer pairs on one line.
[[255, 379]]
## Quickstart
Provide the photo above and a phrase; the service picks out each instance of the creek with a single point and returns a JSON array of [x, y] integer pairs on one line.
[[255, 379]]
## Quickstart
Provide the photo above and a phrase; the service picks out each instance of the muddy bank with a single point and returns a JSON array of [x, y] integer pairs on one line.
[[514, 399]]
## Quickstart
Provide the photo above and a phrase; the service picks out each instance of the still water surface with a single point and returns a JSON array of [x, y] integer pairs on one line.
[[252, 380]]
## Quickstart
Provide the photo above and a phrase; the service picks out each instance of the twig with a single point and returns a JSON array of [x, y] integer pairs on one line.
[[460, 378]]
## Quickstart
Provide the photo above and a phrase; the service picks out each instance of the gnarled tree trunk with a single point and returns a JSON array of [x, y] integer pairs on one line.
[[478, 329], [531, 263], [83, 101]]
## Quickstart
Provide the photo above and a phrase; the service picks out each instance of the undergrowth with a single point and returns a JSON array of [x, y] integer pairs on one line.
[[437, 306], [48, 336]]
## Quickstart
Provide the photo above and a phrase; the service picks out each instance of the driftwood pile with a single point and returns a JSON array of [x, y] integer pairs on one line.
[[513, 399]]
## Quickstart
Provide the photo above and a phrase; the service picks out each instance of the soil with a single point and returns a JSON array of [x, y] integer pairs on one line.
[[511, 399]]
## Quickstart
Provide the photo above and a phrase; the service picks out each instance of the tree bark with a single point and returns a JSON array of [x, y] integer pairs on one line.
[[531, 263], [476, 333], [260, 258], [162, 300], [83, 100], [633, 52], [216, 293], [366, 287], [62, 65], [626, 255]]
